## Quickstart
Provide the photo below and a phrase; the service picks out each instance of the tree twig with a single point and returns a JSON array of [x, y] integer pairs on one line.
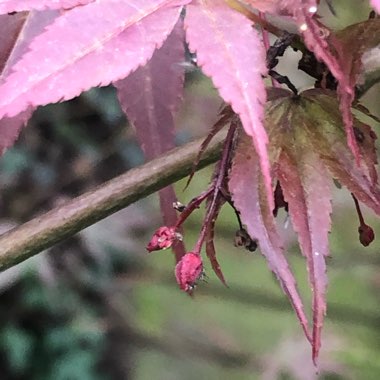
[[62, 222]]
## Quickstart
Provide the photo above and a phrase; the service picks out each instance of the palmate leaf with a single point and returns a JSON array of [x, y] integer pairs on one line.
[[351, 43], [95, 43], [355, 40], [307, 149], [16, 33], [150, 97], [328, 130], [306, 188], [224, 57], [262, 5], [245, 185], [376, 5], [10, 28], [8, 6], [327, 50], [82, 49], [306, 141], [317, 42], [305, 185]]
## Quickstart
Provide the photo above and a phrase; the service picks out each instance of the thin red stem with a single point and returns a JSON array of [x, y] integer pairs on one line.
[[193, 204], [267, 45], [359, 211], [216, 188]]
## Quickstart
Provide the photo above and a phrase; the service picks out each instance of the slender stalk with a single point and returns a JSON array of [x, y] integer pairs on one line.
[[62, 222], [194, 204], [358, 210], [266, 42], [217, 186]]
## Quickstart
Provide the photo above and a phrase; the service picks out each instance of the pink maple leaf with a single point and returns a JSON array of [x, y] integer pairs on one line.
[[8, 6], [150, 97], [317, 42], [306, 187], [19, 29], [76, 58], [225, 59], [376, 5], [245, 179]]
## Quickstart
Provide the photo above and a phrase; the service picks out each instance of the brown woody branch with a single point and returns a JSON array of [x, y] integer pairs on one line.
[[62, 222]]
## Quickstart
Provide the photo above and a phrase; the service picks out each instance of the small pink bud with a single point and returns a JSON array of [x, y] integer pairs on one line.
[[366, 235], [163, 238], [188, 271]]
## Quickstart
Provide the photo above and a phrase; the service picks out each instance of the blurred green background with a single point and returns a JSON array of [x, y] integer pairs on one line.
[[97, 307]]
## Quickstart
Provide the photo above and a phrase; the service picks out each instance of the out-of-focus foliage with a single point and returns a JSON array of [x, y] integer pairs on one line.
[[55, 309], [45, 339]]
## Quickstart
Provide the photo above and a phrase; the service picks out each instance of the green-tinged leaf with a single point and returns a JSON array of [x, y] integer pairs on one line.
[[350, 44], [306, 188], [307, 140], [317, 113], [356, 40]]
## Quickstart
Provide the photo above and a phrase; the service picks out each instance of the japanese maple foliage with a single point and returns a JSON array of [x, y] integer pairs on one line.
[[307, 149], [7, 6], [283, 149], [150, 97], [376, 5], [16, 33]]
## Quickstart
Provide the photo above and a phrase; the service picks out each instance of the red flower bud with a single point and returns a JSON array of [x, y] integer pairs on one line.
[[366, 235], [188, 271], [163, 238]]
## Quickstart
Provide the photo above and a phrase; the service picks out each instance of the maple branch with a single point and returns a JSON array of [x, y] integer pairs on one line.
[[64, 221]]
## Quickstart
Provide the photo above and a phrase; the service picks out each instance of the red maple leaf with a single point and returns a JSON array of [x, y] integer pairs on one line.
[[297, 143]]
